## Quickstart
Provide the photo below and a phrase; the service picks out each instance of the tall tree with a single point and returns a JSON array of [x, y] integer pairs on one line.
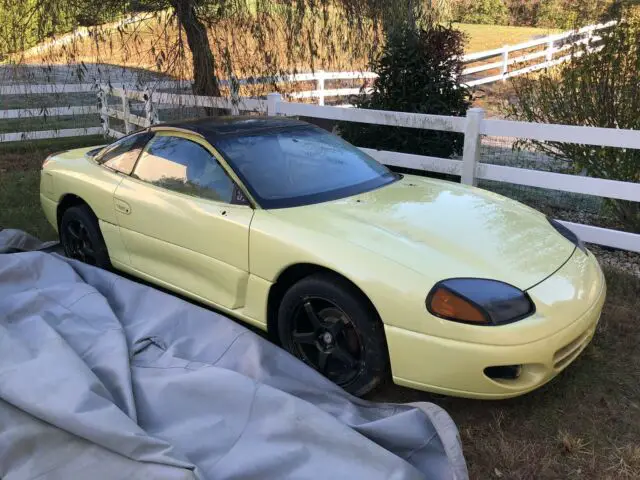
[[309, 24], [204, 66]]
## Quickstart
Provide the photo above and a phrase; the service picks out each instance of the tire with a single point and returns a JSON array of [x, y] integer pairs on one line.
[[81, 238], [328, 324]]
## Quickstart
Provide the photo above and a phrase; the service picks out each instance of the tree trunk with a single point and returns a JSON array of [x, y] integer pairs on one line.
[[204, 66], [401, 13]]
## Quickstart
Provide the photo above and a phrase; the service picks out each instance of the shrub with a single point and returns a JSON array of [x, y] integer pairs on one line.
[[599, 89], [564, 14], [568, 14], [492, 12], [523, 12], [417, 71]]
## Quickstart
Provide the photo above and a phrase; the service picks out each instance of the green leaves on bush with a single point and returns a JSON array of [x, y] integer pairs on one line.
[[598, 89], [483, 11], [563, 14], [568, 14], [418, 71]]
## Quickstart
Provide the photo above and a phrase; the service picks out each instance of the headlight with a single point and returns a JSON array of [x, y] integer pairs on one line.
[[566, 233], [479, 301]]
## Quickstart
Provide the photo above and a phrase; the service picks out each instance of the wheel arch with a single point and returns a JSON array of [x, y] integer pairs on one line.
[[70, 200], [293, 274]]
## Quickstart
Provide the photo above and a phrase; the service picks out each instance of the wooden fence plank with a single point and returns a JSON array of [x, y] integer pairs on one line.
[[41, 134]]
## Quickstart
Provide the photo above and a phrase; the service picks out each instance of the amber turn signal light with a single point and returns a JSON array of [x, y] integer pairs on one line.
[[448, 305]]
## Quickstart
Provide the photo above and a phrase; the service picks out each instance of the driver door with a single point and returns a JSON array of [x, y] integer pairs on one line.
[[184, 221]]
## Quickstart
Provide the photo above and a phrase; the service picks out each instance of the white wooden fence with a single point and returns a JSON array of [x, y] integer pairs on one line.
[[501, 59], [470, 168], [104, 91], [481, 70]]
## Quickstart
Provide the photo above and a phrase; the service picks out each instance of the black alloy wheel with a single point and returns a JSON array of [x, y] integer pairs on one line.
[[326, 338], [325, 322]]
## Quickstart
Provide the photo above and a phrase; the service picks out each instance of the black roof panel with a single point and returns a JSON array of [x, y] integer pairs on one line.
[[213, 128]]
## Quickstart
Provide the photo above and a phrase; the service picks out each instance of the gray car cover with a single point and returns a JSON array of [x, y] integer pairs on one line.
[[105, 378]]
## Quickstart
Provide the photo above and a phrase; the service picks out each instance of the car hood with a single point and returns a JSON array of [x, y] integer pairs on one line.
[[430, 225]]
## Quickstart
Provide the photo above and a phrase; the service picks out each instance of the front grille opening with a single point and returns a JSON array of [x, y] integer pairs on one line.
[[504, 372]]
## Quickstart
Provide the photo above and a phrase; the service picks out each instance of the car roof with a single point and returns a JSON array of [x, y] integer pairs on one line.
[[214, 128]]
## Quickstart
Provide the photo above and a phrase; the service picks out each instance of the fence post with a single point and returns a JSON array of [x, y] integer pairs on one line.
[[505, 63], [126, 111], [273, 99], [550, 50], [149, 111], [320, 86], [104, 109], [235, 95], [471, 153]]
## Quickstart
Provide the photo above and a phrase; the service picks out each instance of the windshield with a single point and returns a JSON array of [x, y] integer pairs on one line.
[[301, 166]]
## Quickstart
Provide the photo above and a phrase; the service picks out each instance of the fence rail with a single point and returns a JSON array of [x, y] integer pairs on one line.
[[159, 98], [554, 44]]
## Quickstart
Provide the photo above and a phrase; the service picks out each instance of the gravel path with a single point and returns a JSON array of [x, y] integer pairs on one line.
[[618, 259]]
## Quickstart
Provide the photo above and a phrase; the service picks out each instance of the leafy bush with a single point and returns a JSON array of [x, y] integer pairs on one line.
[[600, 89], [493, 12], [523, 12], [417, 71], [564, 14], [568, 14], [24, 23], [441, 10]]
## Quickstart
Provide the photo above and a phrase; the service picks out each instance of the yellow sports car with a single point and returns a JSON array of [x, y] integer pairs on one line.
[[356, 270]]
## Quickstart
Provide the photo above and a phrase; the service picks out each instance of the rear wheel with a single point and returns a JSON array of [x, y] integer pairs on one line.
[[324, 321], [81, 238]]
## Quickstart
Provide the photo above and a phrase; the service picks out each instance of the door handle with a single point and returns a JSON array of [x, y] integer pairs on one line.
[[122, 206]]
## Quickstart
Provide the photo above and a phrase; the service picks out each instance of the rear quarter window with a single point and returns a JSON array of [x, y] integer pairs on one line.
[[121, 155]]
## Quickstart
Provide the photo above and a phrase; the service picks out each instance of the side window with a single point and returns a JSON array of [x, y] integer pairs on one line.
[[122, 155], [184, 166]]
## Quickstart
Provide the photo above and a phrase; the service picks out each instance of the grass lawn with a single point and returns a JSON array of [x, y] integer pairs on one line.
[[488, 37], [20, 164], [584, 424], [59, 122]]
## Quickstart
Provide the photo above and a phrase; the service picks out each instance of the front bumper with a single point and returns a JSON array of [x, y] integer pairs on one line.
[[457, 368]]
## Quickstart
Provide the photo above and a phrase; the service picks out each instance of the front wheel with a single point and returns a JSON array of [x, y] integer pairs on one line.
[[328, 324]]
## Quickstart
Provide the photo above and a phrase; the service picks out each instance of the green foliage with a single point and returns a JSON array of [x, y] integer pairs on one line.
[[523, 12], [564, 14], [483, 11], [417, 73], [555, 13], [568, 14], [25, 23], [600, 89]]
